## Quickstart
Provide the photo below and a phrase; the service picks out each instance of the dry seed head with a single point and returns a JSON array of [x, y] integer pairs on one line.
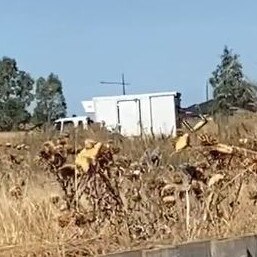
[[37, 159], [67, 170], [69, 149], [136, 173], [243, 141], [16, 191], [26, 147], [169, 199], [49, 147], [63, 207], [177, 178], [18, 147], [8, 144], [55, 199], [171, 168], [64, 219], [63, 141], [58, 148], [17, 159], [168, 190]]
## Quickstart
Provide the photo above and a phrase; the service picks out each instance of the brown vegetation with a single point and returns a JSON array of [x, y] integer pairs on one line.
[[72, 196]]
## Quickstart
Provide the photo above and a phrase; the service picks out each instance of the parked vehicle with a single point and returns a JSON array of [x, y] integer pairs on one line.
[[140, 114], [65, 124]]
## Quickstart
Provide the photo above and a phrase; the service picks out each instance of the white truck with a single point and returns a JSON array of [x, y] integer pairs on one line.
[[64, 124], [140, 114]]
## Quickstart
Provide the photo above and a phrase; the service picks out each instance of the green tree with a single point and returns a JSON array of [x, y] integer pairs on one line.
[[15, 94], [50, 101], [230, 89]]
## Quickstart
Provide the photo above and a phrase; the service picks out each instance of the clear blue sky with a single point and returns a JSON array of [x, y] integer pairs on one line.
[[158, 44]]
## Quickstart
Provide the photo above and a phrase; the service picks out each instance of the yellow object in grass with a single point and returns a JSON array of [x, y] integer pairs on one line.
[[88, 155]]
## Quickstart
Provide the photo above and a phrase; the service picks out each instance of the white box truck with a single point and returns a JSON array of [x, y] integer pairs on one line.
[[140, 114]]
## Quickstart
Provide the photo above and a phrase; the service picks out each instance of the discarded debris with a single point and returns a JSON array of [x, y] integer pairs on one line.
[[199, 125]]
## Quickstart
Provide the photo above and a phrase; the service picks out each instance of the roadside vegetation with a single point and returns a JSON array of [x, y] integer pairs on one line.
[[93, 193]]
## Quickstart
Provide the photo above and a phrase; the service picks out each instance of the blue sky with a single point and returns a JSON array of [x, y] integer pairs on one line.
[[160, 45]]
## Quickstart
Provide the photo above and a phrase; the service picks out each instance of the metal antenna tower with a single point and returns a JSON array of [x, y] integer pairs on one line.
[[118, 83]]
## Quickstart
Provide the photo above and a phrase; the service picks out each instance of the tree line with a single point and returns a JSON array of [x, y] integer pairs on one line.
[[19, 92]]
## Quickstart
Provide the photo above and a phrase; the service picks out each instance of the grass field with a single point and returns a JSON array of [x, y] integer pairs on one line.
[[11, 136], [139, 192]]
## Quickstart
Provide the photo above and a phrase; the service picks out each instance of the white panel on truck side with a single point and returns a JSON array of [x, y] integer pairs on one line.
[[163, 116], [129, 117], [106, 110], [145, 114]]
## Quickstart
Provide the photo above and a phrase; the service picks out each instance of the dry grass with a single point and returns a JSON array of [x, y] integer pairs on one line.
[[35, 220], [10, 136]]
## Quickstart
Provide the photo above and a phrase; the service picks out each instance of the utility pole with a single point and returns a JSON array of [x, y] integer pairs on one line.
[[207, 90], [118, 83]]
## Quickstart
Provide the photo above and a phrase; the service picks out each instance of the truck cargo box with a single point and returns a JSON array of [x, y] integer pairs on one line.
[[139, 114]]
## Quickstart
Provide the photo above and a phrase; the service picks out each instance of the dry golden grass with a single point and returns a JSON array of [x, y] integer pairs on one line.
[[10, 136], [35, 220]]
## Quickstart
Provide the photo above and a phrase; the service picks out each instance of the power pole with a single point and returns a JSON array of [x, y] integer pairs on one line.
[[118, 83], [207, 90]]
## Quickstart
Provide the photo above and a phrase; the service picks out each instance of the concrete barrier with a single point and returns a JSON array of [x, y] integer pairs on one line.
[[236, 247], [195, 249], [239, 247], [165, 252], [136, 253]]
